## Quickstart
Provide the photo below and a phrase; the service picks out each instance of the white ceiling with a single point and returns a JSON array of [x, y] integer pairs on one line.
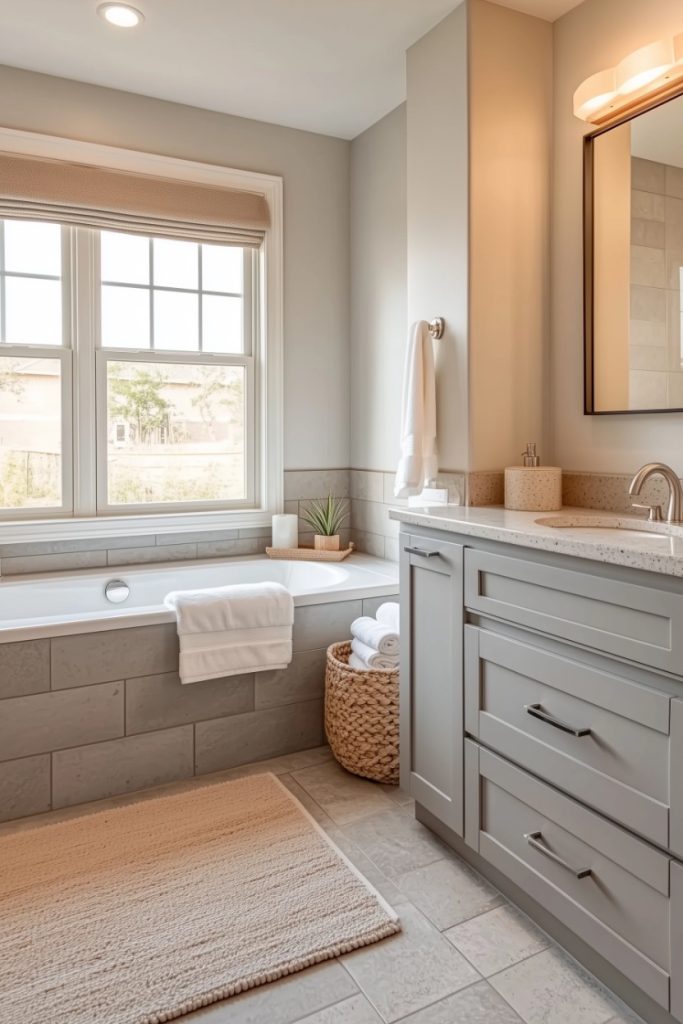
[[330, 66]]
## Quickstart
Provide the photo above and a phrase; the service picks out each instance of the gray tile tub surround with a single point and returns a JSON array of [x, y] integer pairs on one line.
[[93, 553], [372, 495], [94, 715]]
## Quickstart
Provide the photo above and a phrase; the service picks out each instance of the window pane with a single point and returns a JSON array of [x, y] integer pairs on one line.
[[125, 317], [32, 247], [30, 433], [176, 321], [222, 324], [33, 311], [175, 263], [222, 267], [175, 433], [124, 258]]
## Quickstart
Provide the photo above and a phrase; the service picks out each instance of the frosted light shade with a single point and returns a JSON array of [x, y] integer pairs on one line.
[[678, 48], [595, 93], [644, 66]]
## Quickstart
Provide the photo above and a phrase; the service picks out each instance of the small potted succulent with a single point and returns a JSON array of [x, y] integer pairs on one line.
[[326, 516]]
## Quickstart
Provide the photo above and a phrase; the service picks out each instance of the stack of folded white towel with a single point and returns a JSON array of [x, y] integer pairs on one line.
[[376, 642]]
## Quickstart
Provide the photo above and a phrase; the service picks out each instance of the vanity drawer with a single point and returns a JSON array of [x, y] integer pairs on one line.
[[602, 738], [640, 623], [610, 888]]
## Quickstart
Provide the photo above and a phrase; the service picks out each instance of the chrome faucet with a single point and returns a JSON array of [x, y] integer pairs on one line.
[[674, 511]]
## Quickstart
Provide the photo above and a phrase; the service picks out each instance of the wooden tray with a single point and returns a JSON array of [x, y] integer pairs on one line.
[[309, 554]]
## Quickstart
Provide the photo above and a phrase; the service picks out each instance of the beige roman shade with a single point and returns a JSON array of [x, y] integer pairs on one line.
[[79, 194]]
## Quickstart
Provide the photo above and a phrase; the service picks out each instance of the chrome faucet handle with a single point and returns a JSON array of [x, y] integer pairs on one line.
[[654, 512]]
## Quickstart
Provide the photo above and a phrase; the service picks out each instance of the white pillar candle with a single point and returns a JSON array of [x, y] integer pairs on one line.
[[285, 531]]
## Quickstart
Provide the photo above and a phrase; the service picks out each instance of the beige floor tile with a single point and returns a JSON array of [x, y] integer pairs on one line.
[[282, 1002], [356, 1010], [307, 801], [449, 892], [550, 988], [498, 939], [343, 796], [410, 970], [478, 1004], [398, 795], [396, 842], [367, 868]]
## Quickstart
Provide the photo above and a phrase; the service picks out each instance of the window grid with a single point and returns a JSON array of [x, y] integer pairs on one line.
[[3, 321], [199, 291], [83, 490], [25, 275]]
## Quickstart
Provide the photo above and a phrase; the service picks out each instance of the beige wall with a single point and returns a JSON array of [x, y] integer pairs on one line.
[[378, 290], [510, 76], [595, 35], [612, 273], [315, 169], [438, 216]]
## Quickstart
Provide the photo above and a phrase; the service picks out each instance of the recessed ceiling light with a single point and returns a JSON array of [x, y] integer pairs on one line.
[[121, 15]]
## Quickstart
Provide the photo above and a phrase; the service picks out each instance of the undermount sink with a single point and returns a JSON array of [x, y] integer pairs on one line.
[[609, 526]]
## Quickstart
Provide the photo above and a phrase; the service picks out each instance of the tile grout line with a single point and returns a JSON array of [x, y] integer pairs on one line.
[[329, 1006], [457, 992]]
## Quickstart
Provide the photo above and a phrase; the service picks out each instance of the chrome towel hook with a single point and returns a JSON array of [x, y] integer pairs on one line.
[[436, 327]]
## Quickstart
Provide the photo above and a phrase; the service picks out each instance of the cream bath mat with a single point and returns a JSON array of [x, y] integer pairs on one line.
[[144, 913]]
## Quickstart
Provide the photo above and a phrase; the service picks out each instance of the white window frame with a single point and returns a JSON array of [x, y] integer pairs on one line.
[[267, 365]]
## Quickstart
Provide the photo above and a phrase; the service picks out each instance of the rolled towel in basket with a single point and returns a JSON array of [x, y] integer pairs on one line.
[[389, 614], [356, 664], [372, 658], [373, 634]]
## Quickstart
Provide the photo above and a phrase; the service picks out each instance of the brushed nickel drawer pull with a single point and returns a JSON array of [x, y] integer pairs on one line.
[[536, 711], [535, 840], [421, 551]]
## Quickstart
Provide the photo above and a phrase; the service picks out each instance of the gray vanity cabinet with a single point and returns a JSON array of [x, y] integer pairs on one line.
[[431, 676], [542, 736]]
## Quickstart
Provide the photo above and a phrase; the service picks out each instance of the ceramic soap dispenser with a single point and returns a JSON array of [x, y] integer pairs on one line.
[[532, 487]]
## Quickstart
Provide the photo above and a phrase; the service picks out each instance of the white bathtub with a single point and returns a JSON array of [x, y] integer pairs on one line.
[[74, 602]]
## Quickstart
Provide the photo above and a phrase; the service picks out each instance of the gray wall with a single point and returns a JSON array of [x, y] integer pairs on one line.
[[92, 715], [315, 169], [378, 290], [438, 216]]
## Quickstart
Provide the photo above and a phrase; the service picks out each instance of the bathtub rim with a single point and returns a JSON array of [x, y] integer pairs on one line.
[[120, 620]]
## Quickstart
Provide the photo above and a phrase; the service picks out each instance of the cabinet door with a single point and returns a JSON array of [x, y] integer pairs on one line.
[[432, 676]]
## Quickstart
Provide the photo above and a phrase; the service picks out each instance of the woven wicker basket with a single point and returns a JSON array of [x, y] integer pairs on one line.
[[361, 717]]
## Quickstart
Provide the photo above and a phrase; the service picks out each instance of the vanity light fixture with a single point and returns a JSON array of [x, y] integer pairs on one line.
[[644, 67], [643, 75], [121, 15]]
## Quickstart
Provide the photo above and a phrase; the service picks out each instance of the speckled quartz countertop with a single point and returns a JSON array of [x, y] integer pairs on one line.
[[655, 547]]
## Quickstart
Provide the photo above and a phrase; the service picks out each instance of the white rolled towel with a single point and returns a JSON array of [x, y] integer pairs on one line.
[[389, 614], [372, 658], [356, 664], [374, 634]]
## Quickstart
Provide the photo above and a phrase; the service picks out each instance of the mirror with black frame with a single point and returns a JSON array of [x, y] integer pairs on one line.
[[633, 211]]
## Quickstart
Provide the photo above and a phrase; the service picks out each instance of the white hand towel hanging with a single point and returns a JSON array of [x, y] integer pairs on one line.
[[418, 461]]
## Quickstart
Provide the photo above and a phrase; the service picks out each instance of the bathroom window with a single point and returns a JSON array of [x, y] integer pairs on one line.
[[174, 367], [35, 367], [128, 372]]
